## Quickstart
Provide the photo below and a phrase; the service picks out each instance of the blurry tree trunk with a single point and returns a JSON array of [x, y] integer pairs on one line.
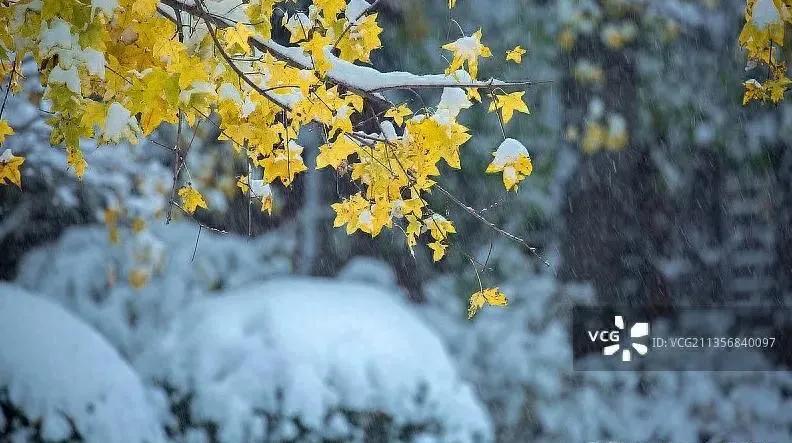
[[310, 212], [611, 231]]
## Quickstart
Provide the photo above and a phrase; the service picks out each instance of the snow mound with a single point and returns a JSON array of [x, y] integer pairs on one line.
[[369, 270], [56, 369], [311, 359], [90, 276]]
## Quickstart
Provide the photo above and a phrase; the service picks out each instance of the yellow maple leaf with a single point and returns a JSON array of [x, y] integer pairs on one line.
[[508, 103], [191, 199], [237, 39], [332, 154], [776, 88], [515, 54], [258, 190], [753, 91], [439, 227], [315, 47], [5, 130], [467, 50], [513, 160], [491, 296], [438, 250], [360, 40], [398, 113], [284, 164], [330, 8], [75, 160], [9, 168]]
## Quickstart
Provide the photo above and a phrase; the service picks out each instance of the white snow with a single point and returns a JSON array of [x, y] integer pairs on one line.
[[88, 275], [56, 35], [764, 13], [260, 188], [117, 122], [388, 131], [107, 6], [355, 9], [58, 369], [70, 77], [508, 151], [247, 107], [307, 350], [94, 61], [227, 91], [454, 100], [6, 156]]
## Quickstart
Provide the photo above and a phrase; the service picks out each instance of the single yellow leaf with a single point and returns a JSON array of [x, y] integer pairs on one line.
[[398, 113], [508, 103], [515, 54], [438, 250], [9, 168], [75, 160], [5, 130], [467, 50], [191, 199], [237, 38], [491, 296]]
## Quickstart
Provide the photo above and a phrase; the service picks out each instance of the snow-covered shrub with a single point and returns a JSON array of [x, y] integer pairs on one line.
[[61, 381], [89, 275], [311, 359], [520, 361], [130, 180], [369, 270]]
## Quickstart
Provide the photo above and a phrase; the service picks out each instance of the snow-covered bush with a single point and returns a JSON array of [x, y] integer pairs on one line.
[[61, 381], [520, 361], [88, 275], [311, 359]]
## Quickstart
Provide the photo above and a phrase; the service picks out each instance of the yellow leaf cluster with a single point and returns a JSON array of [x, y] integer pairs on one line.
[[762, 37], [121, 70]]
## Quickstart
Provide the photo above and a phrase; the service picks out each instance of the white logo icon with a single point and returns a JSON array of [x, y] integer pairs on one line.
[[637, 330]]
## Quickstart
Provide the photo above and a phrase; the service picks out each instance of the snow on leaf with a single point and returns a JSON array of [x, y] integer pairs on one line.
[[513, 160], [753, 91], [467, 50]]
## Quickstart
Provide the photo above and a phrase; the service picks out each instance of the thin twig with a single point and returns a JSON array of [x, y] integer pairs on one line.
[[8, 87], [491, 225], [195, 249]]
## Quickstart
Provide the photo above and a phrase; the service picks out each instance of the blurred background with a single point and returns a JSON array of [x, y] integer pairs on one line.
[[652, 185]]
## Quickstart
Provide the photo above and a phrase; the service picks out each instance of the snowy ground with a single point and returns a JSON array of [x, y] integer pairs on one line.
[[232, 347]]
